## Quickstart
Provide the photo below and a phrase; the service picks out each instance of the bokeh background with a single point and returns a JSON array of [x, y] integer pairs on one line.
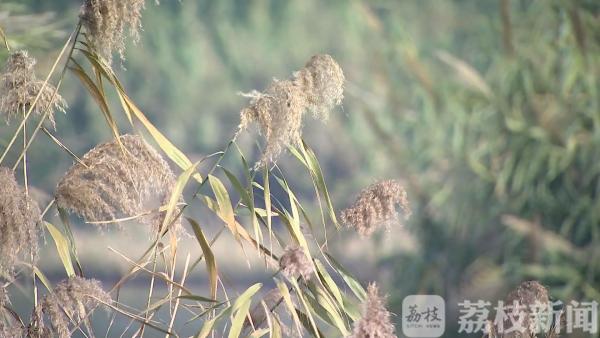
[[487, 110]]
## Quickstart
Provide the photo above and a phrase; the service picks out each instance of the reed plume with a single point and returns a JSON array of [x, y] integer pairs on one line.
[[294, 263], [529, 297], [114, 182], [106, 22], [279, 110], [376, 207], [375, 321], [72, 298], [19, 87], [19, 225]]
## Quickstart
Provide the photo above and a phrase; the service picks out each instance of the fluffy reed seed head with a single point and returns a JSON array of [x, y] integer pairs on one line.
[[20, 222], [118, 182], [375, 321], [106, 21], [295, 263], [72, 298], [19, 87], [376, 207], [529, 296], [279, 110], [322, 81]]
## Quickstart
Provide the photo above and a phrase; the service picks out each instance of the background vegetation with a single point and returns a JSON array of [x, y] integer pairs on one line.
[[489, 111]]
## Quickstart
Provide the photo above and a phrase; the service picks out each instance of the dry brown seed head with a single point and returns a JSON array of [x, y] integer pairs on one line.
[[375, 321], [115, 182], [72, 298], [322, 80], [295, 263], [376, 207], [19, 87], [528, 297], [20, 222], [279, 110], [106, 21]]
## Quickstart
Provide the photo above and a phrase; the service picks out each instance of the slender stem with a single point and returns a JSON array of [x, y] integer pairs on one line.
[[62, 146], [187, 262], [215, 165], [152, 279]]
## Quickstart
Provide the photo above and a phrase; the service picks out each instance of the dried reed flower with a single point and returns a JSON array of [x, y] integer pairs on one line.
[[294, 263], [322, 81], [529, 297], [279, 110], [105, 22], [375, 321], [20, 222], [117, 182], [376, 207], [19, 87], [72, 298]]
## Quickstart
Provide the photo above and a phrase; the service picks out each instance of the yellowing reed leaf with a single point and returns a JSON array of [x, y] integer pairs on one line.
[[62, 246]]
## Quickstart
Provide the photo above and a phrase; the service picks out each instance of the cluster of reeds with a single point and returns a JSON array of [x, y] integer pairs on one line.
[[127, 179]]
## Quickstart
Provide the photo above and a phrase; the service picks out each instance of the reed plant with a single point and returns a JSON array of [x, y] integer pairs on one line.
[[129, 178]]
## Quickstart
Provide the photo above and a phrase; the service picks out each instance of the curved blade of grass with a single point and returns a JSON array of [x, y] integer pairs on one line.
[[64, 217], [197, 298], [223, 203], [259, 333], [248, 199], [62, 246], [287, 300], [210, 324], [42, 278], [238, 319], [325, 302], [300, 295], [267, 197], [246, 296], [163, 142], [176, 194], [352, 283], [4, 39], [209, 257], [293, 220], [317, 175], [98, 96], [328, 282]]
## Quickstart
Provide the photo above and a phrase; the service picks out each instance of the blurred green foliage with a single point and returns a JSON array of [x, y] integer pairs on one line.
[[489, 110]]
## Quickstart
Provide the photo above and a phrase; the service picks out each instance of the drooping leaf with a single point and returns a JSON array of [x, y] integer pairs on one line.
[[62, 246], [209, 257]]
